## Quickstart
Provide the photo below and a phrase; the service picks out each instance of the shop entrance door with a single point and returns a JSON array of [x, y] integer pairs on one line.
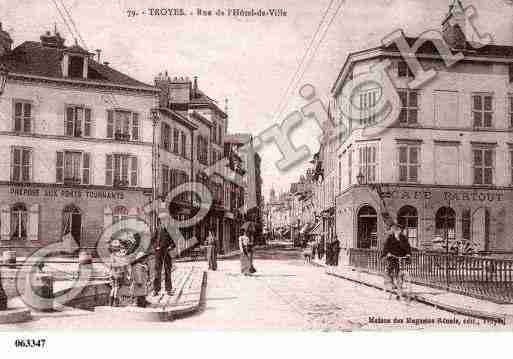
[[367, 236]]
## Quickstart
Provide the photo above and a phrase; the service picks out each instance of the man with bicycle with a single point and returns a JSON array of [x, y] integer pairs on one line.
[[396, 249]]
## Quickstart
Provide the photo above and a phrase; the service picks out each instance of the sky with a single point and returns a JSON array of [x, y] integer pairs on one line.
[[248, 60]]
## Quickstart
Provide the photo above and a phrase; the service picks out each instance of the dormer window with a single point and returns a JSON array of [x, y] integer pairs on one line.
[[76, 67]]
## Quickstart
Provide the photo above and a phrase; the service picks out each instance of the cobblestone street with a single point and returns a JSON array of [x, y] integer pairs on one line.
[[285, 294]]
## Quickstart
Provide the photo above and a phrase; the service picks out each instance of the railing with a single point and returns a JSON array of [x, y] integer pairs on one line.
[[485, 278]]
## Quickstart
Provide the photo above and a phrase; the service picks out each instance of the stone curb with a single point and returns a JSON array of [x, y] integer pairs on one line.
[[493, 316]]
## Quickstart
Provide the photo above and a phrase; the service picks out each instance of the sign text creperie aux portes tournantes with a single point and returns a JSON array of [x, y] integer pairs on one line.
[[66, 193]]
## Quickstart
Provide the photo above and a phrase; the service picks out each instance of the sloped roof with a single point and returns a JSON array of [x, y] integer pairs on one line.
[[33, 59]]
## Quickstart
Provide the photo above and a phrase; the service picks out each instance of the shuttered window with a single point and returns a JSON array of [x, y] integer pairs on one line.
[[483, 165], [22, 116], [73, 167], [482, 110], [21, 164], [409, 163], [121, 170]]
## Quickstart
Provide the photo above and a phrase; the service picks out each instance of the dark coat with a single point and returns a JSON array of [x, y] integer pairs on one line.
[[399, 248], [163, 240]]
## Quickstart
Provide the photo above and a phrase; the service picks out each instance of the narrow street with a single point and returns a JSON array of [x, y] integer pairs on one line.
[[285, 294]]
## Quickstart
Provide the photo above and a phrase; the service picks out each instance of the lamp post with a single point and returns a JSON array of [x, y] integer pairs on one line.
[[155, 168], [3, 81]]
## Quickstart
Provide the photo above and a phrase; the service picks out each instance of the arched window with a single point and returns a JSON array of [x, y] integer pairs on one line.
[[72, 222], [445, 224], [408, 218], [19, 221], [367, 228]]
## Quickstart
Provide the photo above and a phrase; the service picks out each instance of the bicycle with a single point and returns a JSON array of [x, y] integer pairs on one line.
[[398, 277]]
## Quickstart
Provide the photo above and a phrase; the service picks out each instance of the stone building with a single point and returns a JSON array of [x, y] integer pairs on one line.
[[444, 168]]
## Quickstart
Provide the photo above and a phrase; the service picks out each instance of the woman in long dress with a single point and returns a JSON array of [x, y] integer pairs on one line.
[[245, 263], [211, 251]]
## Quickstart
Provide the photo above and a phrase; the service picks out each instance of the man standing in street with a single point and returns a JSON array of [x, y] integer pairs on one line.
[[164, 243]]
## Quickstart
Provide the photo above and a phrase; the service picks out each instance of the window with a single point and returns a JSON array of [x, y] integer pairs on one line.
[[483, 165], [409, 163], [123, 125], [73, 167], [119, 214], [367, 106], [409, 107], [220, 135], [166, 137], [482, 110], [184, 145], [178, 178], [176, 145], [214, 133], [22, 116], [78, 121], [76, 66], [445, 225], [165, 179], [121, 170], [202, 150], [368, 163], [408, 218], [72, 222], [21, 164], [19, 221], [403, 70], [465, 224]]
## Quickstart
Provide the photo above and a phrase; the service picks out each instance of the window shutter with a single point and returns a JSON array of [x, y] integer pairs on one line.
[[87, 122], [27, 116], [68, 121], [33, 223], [5, 223], [135, 127], [108, 170], [110, 124], [133, 171], [86, 168], [26, 164], [59, 167], [18, 108]]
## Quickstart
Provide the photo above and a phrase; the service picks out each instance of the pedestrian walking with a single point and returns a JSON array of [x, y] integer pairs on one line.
[[211, 251], [251, 252], [118, 272], [245, 264], [314, 249], [396, 246], [164, 244], [335, 251], [139, 280]]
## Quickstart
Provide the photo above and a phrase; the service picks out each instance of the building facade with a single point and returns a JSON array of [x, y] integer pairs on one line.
[[76, 143], [444, 168]]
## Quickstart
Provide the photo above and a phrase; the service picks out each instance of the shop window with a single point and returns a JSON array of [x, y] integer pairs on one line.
[[445, 225], [21, 164], [73, 167], [72, 223], [119, 214], [19, 221], [408, 218], [121, 170], [367, 236], [409, 107], [483, 165], [123, 125], [482, 110], [22, 116], [465, 224], [78, 121], [409, 163]]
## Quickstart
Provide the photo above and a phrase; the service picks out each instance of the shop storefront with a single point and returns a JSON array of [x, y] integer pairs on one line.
[[457, 219], [35, 215]]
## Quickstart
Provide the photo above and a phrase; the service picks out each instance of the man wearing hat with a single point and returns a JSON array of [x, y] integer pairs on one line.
[[396, 246], [164, 243]]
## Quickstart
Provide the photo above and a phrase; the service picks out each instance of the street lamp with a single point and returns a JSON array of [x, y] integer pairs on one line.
[[154, 166], [3, 81]]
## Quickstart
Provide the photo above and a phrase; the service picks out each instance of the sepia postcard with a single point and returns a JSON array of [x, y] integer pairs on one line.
[[256, 165]]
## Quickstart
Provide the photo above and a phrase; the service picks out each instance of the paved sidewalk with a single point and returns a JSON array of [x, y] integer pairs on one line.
[[462, 304]]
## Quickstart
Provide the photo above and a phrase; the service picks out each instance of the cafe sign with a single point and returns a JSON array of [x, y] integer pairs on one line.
[[456, 196]]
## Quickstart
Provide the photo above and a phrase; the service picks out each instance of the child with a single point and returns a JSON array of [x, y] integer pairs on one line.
[[140, 276], [118, 272]]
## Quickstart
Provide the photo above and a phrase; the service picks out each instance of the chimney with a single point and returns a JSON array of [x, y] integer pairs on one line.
[[98, 54], [55, 40], [5, 41], [453, 26], [195, 87]]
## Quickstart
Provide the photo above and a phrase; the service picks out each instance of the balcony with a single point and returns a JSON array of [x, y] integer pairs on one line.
[[120, 136]]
